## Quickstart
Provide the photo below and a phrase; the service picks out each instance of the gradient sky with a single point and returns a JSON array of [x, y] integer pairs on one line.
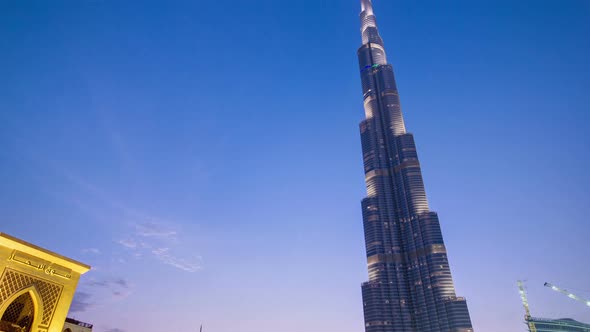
[[204, 156]]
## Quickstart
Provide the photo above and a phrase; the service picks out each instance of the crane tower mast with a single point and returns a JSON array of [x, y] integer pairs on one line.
[[525, 303]]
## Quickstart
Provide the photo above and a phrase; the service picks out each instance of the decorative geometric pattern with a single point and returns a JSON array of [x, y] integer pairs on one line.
[[23, 305], [19, 314], [13, 282]]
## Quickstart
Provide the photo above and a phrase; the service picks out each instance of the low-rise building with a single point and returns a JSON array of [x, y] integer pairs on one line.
[[73, 325]]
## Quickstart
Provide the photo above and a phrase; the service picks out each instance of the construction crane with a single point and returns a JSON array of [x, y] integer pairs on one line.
[[525, 303], [568, 294]]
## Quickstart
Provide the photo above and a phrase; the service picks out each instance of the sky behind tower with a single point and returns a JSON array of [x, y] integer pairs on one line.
[[204, 156]]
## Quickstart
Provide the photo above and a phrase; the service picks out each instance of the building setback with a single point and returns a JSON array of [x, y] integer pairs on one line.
[[410, 288]]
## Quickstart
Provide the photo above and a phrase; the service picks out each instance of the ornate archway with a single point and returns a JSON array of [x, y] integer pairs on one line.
[[36, 287], [19, 315]]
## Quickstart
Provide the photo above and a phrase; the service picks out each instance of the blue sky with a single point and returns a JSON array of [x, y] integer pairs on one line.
[[204, 156]]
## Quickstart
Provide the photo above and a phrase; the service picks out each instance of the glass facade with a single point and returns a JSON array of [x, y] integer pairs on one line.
[[559, 325], [410, 288]]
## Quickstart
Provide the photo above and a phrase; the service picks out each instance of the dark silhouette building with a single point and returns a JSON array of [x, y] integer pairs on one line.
[[410, 288]]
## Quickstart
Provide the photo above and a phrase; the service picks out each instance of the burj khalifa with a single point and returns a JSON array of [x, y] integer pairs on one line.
[[410, 287]]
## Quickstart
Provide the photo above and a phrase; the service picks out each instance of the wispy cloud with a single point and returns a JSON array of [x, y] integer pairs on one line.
[[81, 303], [122, 283], [158, 240], [98, 292], [93, 251], [109, 283], [113, 330], [152, 229], [149, 233], [163, 254], [128, 243]]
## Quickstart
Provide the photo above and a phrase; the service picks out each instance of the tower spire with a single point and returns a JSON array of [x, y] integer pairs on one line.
[[367, 6], [369, 30]]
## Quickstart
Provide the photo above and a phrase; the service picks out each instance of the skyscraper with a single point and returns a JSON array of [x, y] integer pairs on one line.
[[410, 288]]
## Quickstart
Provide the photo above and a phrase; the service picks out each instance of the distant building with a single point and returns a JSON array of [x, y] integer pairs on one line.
[[559, 325], [73, 325], [36, 287]]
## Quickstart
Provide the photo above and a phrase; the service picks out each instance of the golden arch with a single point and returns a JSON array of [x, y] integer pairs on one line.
[[54, 277], [37, 307]]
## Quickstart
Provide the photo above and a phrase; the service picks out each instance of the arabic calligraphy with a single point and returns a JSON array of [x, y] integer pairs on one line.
[[38, 264]]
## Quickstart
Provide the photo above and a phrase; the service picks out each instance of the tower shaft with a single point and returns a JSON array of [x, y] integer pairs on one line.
[[410, 288]]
